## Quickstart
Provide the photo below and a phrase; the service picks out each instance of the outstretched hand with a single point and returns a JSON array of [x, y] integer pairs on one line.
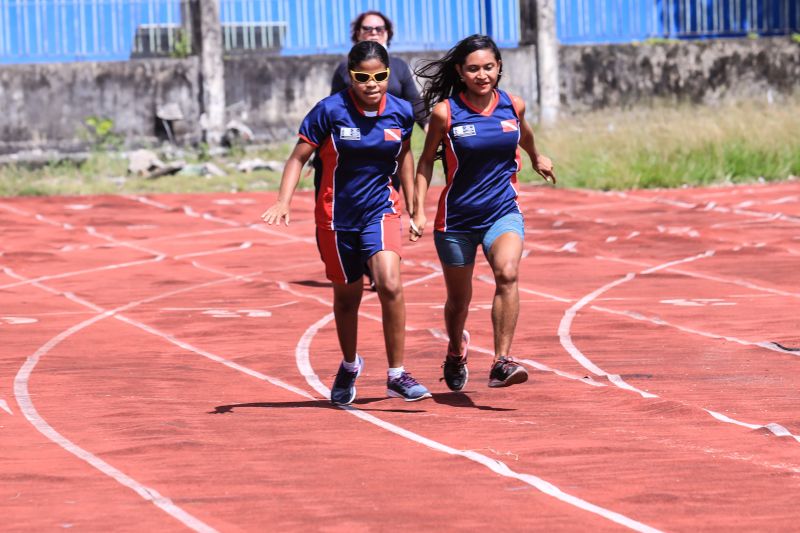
[[274, 214], [544, 167]]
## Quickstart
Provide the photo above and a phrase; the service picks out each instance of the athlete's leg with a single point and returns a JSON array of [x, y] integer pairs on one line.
[[457, 254], [458, 281], [346, 301], [385, 267], [504, 258]]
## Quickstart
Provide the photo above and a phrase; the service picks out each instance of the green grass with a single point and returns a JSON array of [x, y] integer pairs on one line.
[[662, 146], [672, 147]]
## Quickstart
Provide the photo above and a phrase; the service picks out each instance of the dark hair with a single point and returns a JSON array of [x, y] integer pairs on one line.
[[355, 26], [367, 50], [443, 79]]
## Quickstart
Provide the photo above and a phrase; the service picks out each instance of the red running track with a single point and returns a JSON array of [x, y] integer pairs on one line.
[[164, 364]]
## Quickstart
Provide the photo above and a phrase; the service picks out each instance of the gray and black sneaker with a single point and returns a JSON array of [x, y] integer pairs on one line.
[[343, 391], [407, 388], [506, 372], [456, 373]]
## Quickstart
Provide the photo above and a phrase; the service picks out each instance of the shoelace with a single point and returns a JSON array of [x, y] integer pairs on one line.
[[405, 380]]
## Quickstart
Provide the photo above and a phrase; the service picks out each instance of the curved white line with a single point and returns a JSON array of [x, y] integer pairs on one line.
[[304, 365], [566, 324], [32, 415], [29, 411]]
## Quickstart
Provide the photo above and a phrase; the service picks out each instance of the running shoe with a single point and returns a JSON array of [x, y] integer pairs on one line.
[[343, 391], [407, 388], [456, 373], [506, 372]]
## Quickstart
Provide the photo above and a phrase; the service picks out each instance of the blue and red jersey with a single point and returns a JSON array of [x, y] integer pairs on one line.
[[357, 157], [481, 162]]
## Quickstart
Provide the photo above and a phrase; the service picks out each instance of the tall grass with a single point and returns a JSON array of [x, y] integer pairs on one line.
[[672, 146]]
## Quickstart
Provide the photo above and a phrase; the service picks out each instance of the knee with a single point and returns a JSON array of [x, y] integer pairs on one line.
[[390, 289], [506, 274]]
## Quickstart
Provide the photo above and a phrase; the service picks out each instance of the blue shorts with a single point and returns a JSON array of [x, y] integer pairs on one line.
[[345, 253], [459, 249]]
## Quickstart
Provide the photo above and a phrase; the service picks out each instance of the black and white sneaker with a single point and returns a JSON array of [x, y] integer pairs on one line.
[[506, 372]]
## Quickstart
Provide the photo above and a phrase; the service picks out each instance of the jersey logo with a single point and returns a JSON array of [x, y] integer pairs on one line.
[[350, 134], [509, 125], [467, 130], [392, 134]]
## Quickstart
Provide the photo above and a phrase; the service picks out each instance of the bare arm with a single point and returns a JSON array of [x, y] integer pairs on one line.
[[291, 176], [436, 132], [541, 163], [406, 173]]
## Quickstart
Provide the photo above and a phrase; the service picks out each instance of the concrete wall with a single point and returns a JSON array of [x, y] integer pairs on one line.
[[45, 106], [703, 72]]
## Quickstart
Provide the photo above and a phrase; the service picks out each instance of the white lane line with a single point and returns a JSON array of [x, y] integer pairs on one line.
[[288, 288], [216, 358], [27, 408], [569, 315], [4, 406], [80, 272], [244, 246], [189, 211], [708, 277], [718, 209], [306, 370]]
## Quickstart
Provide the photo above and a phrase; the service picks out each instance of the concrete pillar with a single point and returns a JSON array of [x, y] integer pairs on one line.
[[547, 55], [207, 42]]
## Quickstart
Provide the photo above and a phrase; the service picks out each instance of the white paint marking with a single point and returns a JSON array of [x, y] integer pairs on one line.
[[611, 238], [79, 207], [566, 324], [569, 247], [148, 201], [32, 415], [17, 320], [498, 467], [81, 272], [4, 406], [244, 246], [241, 201]]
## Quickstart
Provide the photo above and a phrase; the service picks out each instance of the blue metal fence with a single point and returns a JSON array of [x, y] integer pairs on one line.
[[617, 21], [97, 30]]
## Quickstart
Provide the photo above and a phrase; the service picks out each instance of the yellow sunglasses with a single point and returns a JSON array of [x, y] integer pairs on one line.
[[365, 77]]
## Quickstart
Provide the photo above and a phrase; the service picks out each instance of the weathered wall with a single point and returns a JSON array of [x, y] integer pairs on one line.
[[595, 77], [273, 94], [45, 106]]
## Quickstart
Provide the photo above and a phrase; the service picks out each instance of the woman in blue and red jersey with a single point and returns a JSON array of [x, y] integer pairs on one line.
[[362, 138], [480, 129]]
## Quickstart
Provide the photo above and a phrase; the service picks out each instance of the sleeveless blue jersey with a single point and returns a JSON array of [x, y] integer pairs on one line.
[[481, 161], [357, 157]]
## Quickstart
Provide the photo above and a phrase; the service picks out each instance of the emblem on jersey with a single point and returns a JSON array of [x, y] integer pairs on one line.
[[467, 130], [509, 125], [350, 134], [392, 134]]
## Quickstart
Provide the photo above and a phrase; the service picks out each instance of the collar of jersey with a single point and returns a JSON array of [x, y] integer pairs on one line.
[[486, 112], [381, 105]]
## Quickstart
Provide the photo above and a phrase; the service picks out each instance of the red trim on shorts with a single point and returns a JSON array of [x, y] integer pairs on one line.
[[329, 253]]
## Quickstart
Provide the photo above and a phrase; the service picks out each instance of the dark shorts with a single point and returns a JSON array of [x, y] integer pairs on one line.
[[345, 253]]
